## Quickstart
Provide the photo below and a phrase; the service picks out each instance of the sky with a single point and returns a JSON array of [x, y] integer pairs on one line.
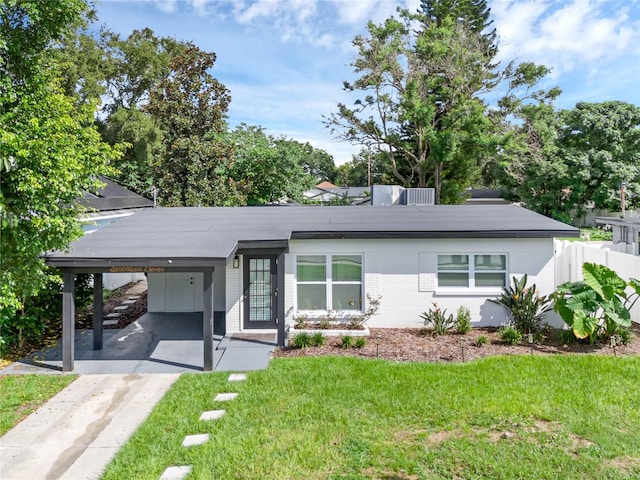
[[284, 61]]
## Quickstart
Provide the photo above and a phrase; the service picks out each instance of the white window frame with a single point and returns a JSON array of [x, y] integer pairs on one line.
[[471, 273], [328, 282]]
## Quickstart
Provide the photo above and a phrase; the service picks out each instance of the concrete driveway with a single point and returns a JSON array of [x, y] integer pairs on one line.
[[76, 433]]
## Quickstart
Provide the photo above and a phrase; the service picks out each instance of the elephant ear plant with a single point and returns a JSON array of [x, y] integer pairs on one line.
[[597, 306], [525, 305]]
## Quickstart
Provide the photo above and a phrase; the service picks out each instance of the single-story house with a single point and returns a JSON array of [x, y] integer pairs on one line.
[[626, 233], [109, 204], [257, 268]]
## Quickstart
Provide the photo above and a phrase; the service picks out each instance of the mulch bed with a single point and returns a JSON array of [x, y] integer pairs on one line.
[[414, 345], [400, 344]]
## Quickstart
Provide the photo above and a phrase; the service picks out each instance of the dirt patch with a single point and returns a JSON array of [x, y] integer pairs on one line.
[[84, 318], [413, 345]]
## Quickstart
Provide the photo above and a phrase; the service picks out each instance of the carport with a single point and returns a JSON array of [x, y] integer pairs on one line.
[[163, 241]]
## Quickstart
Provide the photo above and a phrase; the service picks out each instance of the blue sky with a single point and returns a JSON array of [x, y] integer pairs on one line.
[[284, 61]]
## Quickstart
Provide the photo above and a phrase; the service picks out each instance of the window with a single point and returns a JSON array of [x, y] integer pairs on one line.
[[472, 271], [329, 282]]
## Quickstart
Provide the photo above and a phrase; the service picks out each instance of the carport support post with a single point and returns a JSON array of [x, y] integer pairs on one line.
[[68, 321], [97, 311], [280, 298], [207, 321]]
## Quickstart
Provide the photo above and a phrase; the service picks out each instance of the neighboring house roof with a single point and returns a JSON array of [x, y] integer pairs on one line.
[[484, 196], [325, 185], [186, 236], [322, 193], [114, 197]]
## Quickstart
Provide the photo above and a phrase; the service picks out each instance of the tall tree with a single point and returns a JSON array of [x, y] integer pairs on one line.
[[269, 169], [421, 103], [120, 73], [55, 151], [190, 106], [600, 146]]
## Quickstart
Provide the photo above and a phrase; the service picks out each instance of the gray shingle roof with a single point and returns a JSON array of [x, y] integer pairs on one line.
[[185, 234]]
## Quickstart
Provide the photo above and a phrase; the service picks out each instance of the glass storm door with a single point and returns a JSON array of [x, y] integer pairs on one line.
[[259, 292]]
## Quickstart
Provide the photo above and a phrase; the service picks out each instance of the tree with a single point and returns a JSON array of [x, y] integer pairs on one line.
[[271, 169], [314, 161], [190, 106], [557, 163], [120, 73], [421, 90], [365, 169], [55, 151], [600, 146]]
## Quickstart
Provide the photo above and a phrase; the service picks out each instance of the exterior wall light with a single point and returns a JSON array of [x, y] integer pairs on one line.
[[236, 262]]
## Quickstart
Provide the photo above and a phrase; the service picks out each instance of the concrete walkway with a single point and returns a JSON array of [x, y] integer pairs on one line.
[[76, 433]]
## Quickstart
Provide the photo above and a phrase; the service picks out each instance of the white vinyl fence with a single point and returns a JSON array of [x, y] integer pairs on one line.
[[571, 255]]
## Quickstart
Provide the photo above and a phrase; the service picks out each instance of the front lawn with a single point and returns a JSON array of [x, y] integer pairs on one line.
[[511, 417], [22, 394]]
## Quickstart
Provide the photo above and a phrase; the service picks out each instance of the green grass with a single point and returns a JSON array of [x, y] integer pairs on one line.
[[22, 394], [595, 234], [347, 418]]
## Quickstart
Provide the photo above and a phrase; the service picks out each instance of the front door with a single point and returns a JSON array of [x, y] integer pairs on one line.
[[259, 292]]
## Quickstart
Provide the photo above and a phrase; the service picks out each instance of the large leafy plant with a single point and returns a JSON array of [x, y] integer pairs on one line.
[[599, 305], [525, 304]]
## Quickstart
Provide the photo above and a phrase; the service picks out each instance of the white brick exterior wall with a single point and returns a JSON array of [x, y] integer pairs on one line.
[[403, 273]]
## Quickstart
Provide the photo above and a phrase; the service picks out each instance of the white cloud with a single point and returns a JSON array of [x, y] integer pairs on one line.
[[166, 6], [563, 35]]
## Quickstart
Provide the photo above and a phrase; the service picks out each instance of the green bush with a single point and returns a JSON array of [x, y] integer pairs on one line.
[[625, 336], [509, 335], [301, 340], [346, 341], [597, 307], [360, 342], [481, 340], [524, 304], [566, 337], [463, 320], [22, 326], [317, 339], [437, 320]]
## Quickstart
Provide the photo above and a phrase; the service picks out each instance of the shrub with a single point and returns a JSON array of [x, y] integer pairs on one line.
[[481, 340], [598, 306], [301, 340], [324, 324], [358, 321], [317, 339], [625, 336], [567, 337], [300, 321], [346, 341], [463, 320], [524, 304], [509, 335], [437, 320], [359, 342]]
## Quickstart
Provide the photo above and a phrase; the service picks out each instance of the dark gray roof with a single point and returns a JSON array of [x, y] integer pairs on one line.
[[183, 235], [114, 196]]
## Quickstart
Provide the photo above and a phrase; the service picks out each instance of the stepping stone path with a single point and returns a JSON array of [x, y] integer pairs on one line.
[[120, 308], [191, 440], [225, 397], [178, 473], [109, 323], [114, 315], [128, 302], [212, 415]]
